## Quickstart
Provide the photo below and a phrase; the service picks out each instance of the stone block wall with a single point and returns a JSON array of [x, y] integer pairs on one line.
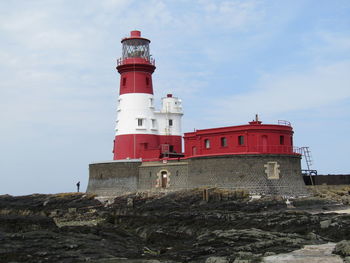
[[260, 174], [150, 176], [113, 178], [248, 172], [330, 179]]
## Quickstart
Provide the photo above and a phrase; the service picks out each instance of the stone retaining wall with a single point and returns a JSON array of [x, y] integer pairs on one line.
[[248, 172], [260, 174], [330, 179], [150, 176], [113, 178]]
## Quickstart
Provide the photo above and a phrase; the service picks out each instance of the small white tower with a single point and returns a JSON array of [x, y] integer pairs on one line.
[[169, 117]]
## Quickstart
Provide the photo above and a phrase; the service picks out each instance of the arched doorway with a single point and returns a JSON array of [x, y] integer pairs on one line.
[[164, 179]]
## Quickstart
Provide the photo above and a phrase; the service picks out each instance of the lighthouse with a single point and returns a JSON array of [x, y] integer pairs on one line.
[[141, 131], [147, 154]]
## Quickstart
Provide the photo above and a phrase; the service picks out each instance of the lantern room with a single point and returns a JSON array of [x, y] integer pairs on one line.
[[137, 47]]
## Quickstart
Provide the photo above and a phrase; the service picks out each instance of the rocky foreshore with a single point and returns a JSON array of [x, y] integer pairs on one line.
[[189, 226]]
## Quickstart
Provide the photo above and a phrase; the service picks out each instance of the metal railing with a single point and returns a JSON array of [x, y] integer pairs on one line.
[[275, 149], [308, 172], [284, 122], [121, 61]]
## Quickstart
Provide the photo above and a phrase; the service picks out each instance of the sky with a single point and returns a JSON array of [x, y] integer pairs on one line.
[[226, 59]]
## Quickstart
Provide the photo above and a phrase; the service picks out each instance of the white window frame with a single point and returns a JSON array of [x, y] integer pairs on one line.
[[143, 121], [223, 142], [207, 143], [153, 124]]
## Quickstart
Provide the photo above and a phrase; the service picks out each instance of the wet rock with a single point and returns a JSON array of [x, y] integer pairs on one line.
[[19, 223], [173, 227], [312, 236], [125, 260], [342, 248], [308, 254], [72, 210], [244, 255], [238, 260], [325, 223], [216, 260], [345, 200], [130, 202]]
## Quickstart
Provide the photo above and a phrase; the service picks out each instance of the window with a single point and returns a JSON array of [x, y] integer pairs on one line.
[[241, 140], [124, 81], [170, 122], [223, 142], [140, 122], [153, 123], [116, 125], [207, 143], [281, 140], [151, 102], [147, 81], [119, 104]]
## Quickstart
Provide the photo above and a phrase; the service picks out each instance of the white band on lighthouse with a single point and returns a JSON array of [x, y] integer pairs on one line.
[[137, 115]]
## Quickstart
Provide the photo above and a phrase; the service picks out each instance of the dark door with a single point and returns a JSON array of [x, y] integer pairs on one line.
[[164, 179]]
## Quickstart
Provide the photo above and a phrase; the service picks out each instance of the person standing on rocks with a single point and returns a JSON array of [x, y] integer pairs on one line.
[[78, 186]]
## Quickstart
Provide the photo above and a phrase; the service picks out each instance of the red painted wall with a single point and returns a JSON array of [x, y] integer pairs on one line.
[[145, 146], [136, 78], [258, 138]]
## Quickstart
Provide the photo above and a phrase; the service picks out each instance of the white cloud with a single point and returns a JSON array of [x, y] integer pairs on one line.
[[325, 43], [288, 91], [240, 14], [236, 14]]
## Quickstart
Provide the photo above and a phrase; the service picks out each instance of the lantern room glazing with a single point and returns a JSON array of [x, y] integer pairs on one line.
[[136, 48]]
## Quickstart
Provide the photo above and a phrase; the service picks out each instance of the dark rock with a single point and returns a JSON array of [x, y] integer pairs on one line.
[[325, 223], [174, 227], [216, 260], [19, 223], [342, 248]]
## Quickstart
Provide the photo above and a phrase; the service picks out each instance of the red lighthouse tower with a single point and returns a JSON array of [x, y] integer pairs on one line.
[[136, 65], [142, 132]]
